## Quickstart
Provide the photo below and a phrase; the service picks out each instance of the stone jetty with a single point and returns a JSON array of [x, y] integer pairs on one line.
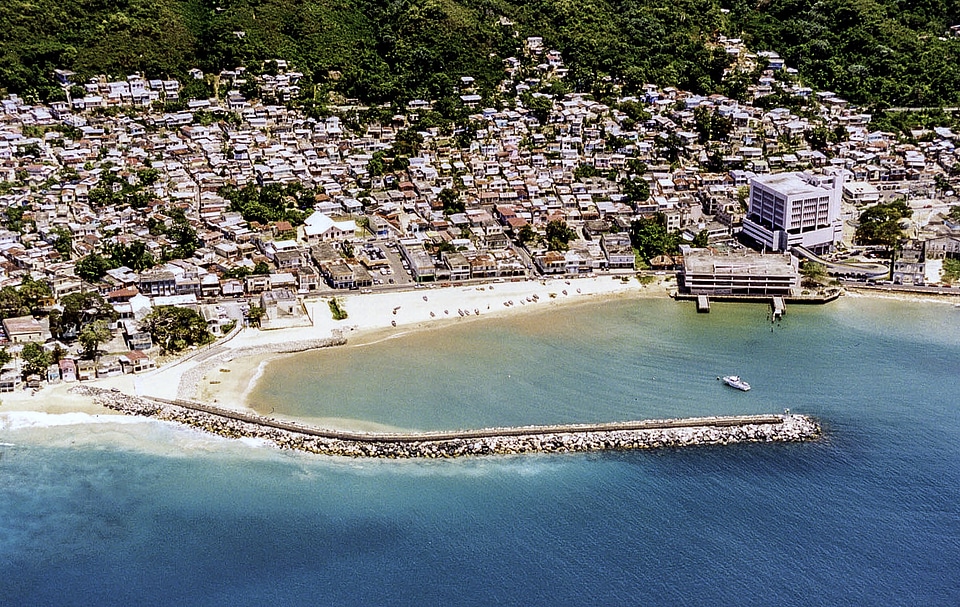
[[647, 434]]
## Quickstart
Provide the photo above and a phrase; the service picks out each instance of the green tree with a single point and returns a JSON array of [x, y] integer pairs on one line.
[[92, 336], [93, 267], [364, 224], [272, 202], [407, 143], [452, 203], [540, 106], [880, 224], [701, 239], [526, 234], [377, 166], [255, 315], [11, 304], [77, 311], [5, 357], [951, 271], [36, 359], [558, 235], [337, 309], [62, 242], [585, 171], [636, 190], [813, 273], [135, 255], [175, 329], [237, 272], [636, 166], [184, 237], [650, 237], [148, 176], [33, 294]]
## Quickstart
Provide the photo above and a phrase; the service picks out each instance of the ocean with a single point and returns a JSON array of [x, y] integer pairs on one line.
[[101, 512]]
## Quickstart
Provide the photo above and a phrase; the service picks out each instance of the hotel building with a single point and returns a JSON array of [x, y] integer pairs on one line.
[[795, 209]]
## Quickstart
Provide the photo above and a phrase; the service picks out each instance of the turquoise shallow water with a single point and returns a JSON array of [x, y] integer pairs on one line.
[[150, 514]]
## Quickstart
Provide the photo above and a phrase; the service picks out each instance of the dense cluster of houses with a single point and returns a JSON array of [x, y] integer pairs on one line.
[[515, 175]]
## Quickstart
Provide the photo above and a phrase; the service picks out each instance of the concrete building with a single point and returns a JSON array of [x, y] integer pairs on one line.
[[740, 273], [794, 209], [23, 329]]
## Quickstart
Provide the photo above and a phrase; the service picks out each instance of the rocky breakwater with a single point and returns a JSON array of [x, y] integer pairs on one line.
[[647, 434]]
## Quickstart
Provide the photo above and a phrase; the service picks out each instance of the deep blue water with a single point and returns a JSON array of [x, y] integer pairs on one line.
[[147, 514]]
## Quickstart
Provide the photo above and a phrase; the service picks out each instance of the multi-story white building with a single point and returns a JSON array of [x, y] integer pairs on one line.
[[705, 272], [795, 209]]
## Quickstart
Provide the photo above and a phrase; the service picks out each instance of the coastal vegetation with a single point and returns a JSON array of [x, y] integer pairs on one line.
[[881, 52], [29, 298], [35, 358], [255, 315], [558, 235], [814, 274], [76, 311], [336, 308], [651, 238], [881, 224], [951, 271], [92, 336], [176, 329]]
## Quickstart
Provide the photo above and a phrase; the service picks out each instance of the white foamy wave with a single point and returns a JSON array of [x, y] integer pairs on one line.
[[256, 442], [261, 369], [18, 420]]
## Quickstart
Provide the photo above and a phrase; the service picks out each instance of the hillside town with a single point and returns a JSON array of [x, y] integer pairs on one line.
[[149, 199]]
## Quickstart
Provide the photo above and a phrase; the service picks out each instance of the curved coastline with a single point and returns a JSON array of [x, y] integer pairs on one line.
[[565, 438]]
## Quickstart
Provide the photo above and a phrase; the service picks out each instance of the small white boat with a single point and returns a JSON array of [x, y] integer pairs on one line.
[[734, 381]]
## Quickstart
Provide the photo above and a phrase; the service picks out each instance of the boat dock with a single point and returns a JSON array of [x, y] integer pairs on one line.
[[779, 307], [817, 299], [703, 304]]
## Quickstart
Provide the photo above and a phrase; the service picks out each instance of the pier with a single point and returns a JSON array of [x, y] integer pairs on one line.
[[813, 299], [779, 307], [560, 438], [703, 304]]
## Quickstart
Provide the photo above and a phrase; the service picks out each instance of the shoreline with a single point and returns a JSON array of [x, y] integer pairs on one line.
[[235, 367], [370, 318]]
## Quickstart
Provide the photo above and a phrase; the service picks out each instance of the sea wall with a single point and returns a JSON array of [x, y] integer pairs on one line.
[[647, 434]]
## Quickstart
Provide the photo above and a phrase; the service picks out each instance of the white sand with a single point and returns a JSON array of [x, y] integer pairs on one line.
[[372, 317], [227, 378]]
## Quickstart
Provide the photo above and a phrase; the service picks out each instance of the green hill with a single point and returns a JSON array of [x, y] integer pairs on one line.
[[377, 50]]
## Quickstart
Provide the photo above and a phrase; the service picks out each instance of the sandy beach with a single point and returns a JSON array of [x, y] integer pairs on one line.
[[228, 378], [226, 372]]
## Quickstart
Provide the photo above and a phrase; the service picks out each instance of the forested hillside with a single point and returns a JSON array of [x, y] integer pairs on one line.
[[896, 52]]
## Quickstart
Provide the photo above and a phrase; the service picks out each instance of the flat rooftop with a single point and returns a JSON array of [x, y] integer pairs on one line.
[[788, 184], [704, 261]]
